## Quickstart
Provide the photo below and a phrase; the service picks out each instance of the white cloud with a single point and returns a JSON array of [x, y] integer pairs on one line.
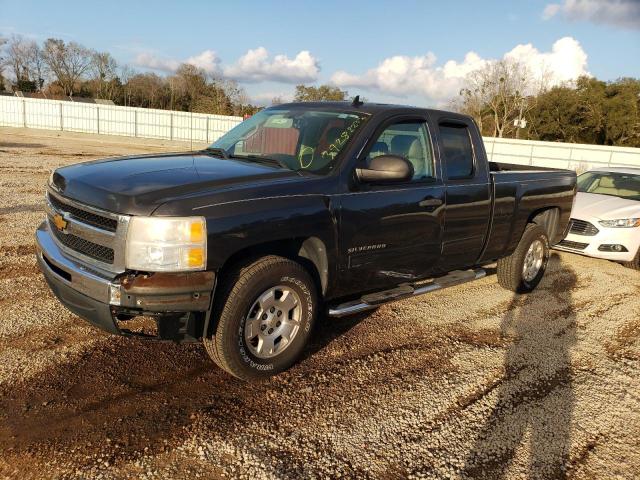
[[565, 62], [207, 61], [154, 62], [257, 66], [402, 76], [254, 66], [622, 13]]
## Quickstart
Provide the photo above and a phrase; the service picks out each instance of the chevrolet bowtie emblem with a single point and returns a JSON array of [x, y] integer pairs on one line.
[[59, 222]]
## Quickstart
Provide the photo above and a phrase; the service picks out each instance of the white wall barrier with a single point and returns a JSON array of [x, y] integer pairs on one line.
[[205, 128], [573, 156], [113, 120]]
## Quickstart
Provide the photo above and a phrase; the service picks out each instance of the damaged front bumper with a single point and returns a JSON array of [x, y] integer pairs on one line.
[[177, 301]]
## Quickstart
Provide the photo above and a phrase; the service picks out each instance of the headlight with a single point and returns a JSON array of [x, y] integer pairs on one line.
[[621, 222], [166, 244]]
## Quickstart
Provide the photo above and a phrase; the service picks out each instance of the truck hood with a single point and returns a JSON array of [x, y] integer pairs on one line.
[[604, 207], [137, 185]]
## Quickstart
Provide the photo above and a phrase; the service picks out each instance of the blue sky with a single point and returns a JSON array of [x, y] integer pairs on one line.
[[389, 51]]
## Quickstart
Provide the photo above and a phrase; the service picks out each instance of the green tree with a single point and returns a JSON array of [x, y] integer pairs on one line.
[[319, 94], [622, 110], [556, 116]]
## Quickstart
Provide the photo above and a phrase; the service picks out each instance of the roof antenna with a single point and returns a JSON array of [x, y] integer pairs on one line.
[[356, 101]]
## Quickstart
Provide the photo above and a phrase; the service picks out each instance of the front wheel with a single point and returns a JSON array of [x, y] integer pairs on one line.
[[522, 270], [265, 315]]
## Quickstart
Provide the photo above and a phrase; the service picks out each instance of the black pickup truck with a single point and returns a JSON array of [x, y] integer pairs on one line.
[[304, 208]]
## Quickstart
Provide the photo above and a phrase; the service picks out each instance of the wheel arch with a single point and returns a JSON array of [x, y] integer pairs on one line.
[[311, 252], [549, 219]]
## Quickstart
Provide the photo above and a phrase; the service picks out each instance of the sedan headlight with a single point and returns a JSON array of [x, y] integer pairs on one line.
[[621, 222], [166, 244]]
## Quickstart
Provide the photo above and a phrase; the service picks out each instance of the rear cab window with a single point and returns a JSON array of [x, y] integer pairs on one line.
[[457, 150]]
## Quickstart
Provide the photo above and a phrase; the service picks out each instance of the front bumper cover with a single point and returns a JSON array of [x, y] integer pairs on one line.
[[589, 245], [101, 298]]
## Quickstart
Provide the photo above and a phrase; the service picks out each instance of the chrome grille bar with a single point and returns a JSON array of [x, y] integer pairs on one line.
[[88, 234]]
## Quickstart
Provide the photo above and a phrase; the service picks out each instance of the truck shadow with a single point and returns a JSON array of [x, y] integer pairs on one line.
[[533, 411]]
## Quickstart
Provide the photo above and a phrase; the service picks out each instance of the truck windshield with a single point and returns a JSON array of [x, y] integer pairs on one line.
[[623, 185], [298, 139]]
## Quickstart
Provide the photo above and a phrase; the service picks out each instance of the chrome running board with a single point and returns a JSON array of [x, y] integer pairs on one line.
[[373, 300]]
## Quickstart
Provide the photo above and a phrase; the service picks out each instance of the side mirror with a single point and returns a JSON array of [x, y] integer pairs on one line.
[[386, 169]]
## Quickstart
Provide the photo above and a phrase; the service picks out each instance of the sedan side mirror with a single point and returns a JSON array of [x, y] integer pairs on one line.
[[386, 169]]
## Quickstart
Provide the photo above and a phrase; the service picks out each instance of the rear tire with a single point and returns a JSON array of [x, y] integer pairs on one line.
[[635, 263], [265, 313], [521, 271]]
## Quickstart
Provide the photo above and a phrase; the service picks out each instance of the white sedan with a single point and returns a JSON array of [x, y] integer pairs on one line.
[[605, 220]]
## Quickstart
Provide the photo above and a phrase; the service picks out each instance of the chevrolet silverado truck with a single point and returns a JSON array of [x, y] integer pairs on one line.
[[304, 209]]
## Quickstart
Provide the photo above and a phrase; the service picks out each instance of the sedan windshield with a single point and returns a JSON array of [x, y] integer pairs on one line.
[[623, 185], [298, 139]]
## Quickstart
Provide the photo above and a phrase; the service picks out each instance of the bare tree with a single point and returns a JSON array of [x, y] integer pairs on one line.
[[3, 41], [17, 57], [126, 74], [498, 96], [473, 99], [38, 68], [67, 61], [104, 68]]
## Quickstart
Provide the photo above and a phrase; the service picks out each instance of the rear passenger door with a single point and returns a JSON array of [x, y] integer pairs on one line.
[[391, 233], [468, 195]]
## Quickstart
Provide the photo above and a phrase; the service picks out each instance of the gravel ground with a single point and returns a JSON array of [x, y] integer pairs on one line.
[[468, 382]]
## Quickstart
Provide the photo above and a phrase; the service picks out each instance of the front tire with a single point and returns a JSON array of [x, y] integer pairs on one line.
[[521, 271], [265, 316]]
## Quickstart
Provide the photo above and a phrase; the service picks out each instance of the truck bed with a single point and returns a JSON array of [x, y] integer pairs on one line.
[[519, 193], [513, 167]]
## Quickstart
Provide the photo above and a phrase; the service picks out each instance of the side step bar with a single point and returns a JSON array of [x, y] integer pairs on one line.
[[373, 300]]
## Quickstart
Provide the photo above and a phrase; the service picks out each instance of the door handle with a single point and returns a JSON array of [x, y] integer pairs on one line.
[[430, 202]]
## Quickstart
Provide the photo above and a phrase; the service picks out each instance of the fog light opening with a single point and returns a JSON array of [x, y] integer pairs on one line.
[[613, 248]]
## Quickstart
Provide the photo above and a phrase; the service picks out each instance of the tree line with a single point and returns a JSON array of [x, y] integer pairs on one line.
[[507, 100], [57, 68]]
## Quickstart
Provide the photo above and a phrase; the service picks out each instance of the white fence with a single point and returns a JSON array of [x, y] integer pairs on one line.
[[573, 156], [198, 127], [113, 120]]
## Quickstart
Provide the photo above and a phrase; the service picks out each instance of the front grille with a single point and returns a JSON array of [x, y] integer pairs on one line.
[[85, 247], [580, 227], [92, 219], [573, 245]]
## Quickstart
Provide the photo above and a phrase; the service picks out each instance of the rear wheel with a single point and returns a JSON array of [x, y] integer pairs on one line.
[[265, 314], [635, 263], [522, 270]]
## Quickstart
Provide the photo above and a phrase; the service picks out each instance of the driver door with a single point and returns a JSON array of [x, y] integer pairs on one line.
[[392, 233]]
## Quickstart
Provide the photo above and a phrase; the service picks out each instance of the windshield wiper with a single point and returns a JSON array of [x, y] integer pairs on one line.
[[261, 159], [220, 152]]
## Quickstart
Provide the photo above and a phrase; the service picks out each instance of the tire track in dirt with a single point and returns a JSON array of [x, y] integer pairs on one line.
[[100, 396]]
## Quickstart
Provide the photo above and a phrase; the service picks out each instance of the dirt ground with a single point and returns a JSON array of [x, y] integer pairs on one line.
[[468, 382]]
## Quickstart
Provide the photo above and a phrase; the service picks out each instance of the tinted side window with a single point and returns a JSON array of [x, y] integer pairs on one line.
[[457, 150], [409, 140]]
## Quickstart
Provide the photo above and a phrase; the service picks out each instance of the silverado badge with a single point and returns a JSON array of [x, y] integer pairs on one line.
[[59, 222]]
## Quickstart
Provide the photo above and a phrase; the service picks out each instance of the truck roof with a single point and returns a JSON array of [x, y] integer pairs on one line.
[[366, 107], [627, 170]]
